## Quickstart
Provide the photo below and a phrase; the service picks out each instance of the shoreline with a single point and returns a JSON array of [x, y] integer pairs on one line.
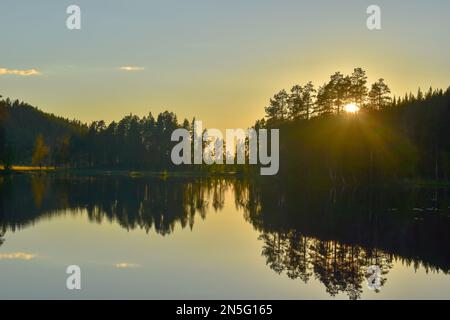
[[28, 170], [116, 172]]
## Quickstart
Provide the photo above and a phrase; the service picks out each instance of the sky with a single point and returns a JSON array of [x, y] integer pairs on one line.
[[219, 61]]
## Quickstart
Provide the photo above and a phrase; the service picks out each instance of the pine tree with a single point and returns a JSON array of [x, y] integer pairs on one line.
[[296, 102], [358, 87], [340, 85], [278, 107], [379, 95], [324, 101]]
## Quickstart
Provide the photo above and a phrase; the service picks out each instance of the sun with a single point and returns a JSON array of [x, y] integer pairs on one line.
[[351, 108]]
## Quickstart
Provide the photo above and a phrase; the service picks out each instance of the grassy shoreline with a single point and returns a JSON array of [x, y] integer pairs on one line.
[[112, 172], [168, 174]]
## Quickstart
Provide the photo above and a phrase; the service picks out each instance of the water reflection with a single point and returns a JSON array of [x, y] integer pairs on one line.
[[340, 267], [334, 235], [328, 235]]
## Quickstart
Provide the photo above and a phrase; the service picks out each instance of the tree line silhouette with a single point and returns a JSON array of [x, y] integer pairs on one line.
[[305, 102], [321, 141], [30, 136], [346, 133]]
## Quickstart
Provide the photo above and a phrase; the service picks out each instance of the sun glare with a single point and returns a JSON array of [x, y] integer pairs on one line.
[[351, 108]]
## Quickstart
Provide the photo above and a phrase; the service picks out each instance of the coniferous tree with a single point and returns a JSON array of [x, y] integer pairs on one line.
[[341, 86], [278, 107], [324, 101], [358, 88], [309, 93], [296, 102], [379, 95]]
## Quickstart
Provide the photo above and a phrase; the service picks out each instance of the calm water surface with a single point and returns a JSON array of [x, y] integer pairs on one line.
[[219, 238]]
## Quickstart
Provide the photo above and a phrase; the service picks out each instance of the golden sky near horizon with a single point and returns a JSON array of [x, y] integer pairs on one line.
[[217, 61]]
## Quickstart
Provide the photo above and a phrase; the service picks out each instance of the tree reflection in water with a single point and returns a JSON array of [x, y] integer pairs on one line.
[[340, 267], [328, 235]]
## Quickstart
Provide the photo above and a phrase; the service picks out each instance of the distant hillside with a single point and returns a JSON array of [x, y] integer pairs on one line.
[[22, 123], [31, 136]]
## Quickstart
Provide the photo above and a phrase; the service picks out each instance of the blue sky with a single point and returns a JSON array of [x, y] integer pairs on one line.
[[217, 60]]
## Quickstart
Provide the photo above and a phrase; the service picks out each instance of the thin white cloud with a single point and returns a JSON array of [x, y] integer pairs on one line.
[[126, 265], [17, 256], [131, 68], [24, 73]]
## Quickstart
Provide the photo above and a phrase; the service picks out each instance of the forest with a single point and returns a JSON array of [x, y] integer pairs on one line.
[[346, 133], [342, 132]]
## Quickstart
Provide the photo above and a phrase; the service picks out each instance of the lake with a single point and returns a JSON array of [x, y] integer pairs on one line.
[[220, 238]]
